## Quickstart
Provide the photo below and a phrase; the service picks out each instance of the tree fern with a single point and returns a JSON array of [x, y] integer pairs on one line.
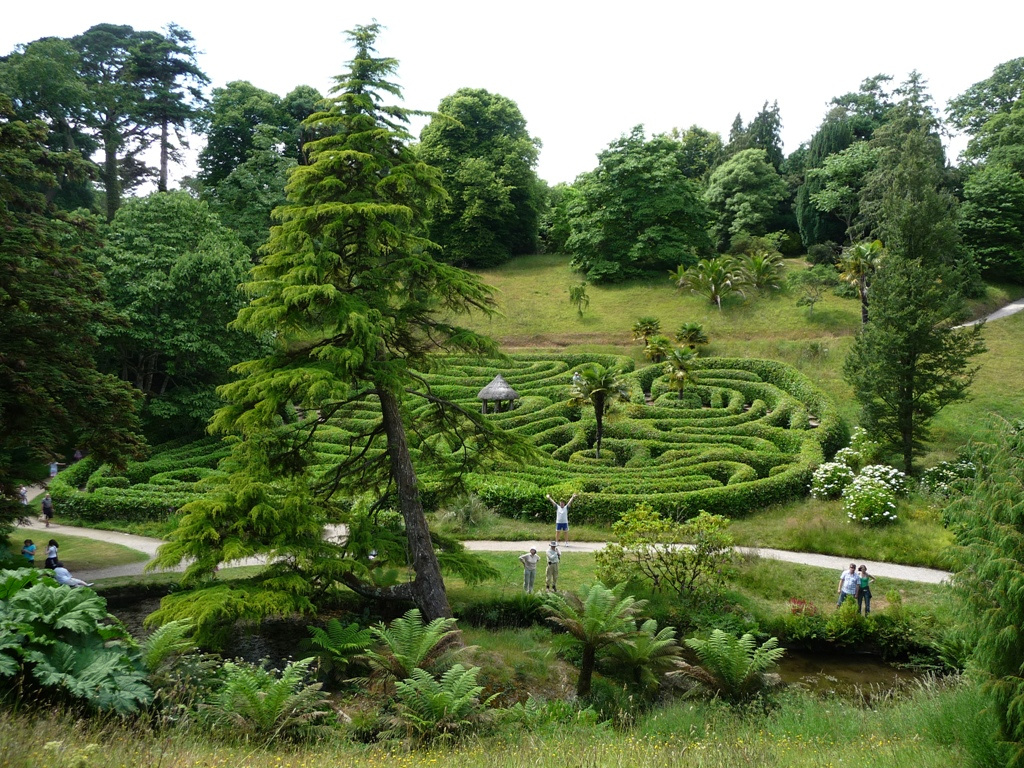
[[430, 708], [734, 668], [172, 639], [259, 705], [409, 644], [644, 658], [338, 647]]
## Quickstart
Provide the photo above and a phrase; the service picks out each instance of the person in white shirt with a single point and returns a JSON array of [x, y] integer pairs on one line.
[[64, 577], [561, 517], [848, 583], [551, 574], [529, 562]]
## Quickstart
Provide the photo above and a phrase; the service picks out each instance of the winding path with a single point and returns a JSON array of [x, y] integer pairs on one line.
[[149, 546]]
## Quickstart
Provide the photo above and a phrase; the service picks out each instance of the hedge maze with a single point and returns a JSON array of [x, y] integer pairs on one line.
[[747, 434]]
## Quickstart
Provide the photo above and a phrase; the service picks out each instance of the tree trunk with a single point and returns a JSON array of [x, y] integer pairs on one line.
[[111, 177], [599, 415], [428, 585], [586, 672], [164, 144], [863, 301]]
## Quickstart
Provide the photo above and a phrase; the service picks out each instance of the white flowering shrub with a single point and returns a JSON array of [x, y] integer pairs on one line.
[[868, 449], [943, 478], [896, 480], [869, 501], [830, 479], [848, 457]]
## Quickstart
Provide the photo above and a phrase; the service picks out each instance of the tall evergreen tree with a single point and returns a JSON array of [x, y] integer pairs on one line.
[[51, 394], [354, 303], [989, 523]]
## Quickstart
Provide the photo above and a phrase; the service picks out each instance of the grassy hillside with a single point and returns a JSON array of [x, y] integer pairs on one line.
[[535, 313]]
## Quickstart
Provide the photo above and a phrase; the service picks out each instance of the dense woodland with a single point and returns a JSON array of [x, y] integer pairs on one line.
[[322, 258]]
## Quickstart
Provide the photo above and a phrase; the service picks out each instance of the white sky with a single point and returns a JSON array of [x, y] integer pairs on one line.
[[584, 73]]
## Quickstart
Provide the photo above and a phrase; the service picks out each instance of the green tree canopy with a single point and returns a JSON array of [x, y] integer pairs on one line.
[[479, 141], [637, 212], [742, 196], [51, 394], [173, 272]]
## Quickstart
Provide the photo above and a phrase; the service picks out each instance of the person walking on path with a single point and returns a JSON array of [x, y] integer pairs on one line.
[[864, 589], [51, 554], [29, 551], [561, 517], [54, 466], [551, 574], [529, 561], [47, 509], [848, 583]]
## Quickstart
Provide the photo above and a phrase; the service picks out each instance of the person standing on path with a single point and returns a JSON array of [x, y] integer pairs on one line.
[[529, 562], [561, 517], [51, 554], [54, 466], [47, 509], [551, 574], [864, 589], [848, 583]]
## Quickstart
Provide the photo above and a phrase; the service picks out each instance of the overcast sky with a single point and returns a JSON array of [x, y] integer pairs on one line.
[[584, 73]]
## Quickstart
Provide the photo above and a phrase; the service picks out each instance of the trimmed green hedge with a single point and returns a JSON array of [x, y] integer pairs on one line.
[[748, 434]]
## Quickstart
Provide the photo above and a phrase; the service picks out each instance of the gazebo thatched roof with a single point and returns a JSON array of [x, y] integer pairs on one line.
[[498, 389]]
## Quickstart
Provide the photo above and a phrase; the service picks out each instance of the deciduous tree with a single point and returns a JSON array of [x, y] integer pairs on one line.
[[487, 158], [742, 196], [637, 212]]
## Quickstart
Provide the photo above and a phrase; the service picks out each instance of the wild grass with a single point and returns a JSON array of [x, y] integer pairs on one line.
[[937, 723], [77, 552]]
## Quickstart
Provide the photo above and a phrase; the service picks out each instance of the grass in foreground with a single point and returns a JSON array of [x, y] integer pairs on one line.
[[939, 723]]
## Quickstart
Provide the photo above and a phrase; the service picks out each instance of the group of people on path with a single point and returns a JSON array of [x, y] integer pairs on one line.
[[60, 571], [856, 583], [554, 556]]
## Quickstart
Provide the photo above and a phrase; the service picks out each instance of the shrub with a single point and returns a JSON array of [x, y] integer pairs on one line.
[[648, 550], [465, 512], [869, 501], [60, 642], [830, 480], [946, 477], [890, 476], [849, 457]]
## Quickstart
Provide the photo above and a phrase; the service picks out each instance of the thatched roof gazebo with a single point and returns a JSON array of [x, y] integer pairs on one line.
[[497, 392]]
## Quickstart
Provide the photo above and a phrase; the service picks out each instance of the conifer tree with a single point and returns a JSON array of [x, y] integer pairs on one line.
[[352, 301]]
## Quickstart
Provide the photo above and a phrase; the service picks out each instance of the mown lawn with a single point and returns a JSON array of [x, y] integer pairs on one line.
[[77, 552]]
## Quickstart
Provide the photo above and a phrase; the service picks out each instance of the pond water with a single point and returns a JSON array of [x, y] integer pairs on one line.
[[843, 673]]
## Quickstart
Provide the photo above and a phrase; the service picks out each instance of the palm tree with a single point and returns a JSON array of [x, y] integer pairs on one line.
[[658, 348], [692, 335], [646, 327], [712, 278], [857, 265], [597, 618], [680, 370], [600, 387], [762, 270]]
